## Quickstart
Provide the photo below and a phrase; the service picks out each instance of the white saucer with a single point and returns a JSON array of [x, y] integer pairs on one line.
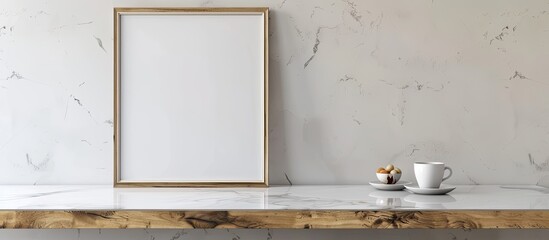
[[388, 187], [443, 189]]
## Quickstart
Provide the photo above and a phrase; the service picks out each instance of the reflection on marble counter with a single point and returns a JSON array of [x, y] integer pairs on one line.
[[335, 197]]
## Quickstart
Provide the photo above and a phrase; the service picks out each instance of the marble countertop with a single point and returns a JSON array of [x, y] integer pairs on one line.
[[313, 197]]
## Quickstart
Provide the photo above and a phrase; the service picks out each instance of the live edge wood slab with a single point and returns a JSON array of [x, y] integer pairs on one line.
[[317, 219], [296, 207]]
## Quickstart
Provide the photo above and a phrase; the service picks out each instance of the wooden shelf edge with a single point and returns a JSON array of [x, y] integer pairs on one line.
[[289, 219]]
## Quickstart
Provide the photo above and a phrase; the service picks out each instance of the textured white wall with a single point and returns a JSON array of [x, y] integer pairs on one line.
[[354, 85]]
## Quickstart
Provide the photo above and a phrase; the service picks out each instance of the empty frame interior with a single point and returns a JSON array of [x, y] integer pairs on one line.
[[191, 97]]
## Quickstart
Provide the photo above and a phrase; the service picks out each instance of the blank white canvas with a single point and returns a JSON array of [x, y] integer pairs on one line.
[[192, 98]]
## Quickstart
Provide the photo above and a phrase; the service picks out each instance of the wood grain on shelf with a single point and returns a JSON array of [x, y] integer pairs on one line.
[[256, 219]]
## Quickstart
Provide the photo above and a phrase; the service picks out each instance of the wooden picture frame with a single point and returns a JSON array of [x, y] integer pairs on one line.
[[184, 107]]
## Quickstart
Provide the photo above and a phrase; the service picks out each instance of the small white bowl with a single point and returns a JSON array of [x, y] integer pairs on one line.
[[388, 178]]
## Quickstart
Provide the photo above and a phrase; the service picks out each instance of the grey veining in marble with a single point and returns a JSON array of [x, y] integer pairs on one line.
[[354, 85], [272, 234], [318, 197]]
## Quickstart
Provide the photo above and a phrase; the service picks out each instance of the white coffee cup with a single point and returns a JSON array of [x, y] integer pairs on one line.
[[430, 174]]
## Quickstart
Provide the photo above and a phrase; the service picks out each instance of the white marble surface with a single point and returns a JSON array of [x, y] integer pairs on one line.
[[330, 197]]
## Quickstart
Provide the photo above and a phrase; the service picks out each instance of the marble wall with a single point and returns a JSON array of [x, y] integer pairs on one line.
[[136, 234], [353, 85]]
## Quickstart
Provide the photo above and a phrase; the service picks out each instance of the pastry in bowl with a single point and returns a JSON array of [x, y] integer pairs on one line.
[[389, 174]]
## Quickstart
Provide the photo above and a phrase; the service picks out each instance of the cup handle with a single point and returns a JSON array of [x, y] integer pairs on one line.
[[449, 175]]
